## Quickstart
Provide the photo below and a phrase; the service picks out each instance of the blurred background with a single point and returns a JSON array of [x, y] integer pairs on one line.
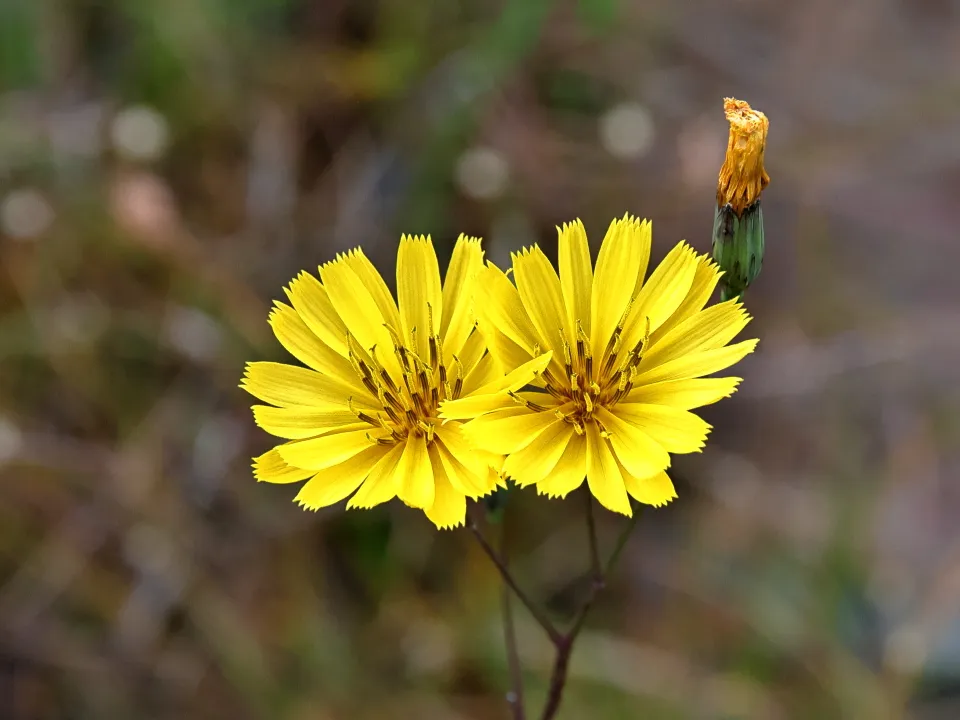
[[166, 166]]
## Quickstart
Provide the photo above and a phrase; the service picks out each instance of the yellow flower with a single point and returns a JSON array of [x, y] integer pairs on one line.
[[628, 363], [362, 420]]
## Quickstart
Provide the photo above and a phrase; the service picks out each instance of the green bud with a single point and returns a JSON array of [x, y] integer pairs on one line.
[[738, 248]]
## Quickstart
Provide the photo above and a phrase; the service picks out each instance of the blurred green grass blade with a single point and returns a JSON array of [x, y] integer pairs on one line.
[[598, 15], [19, 44]]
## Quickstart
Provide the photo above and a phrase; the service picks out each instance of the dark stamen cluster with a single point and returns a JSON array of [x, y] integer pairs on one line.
[[584, 388], [410, 408]]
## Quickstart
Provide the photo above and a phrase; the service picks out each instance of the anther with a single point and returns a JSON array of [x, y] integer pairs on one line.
[[550, 379], [458, 384], [392, 413], [388, 379], [432, 341], [567, 359], [418, 403], [526, 403], [389, 400], [583, 356], [424, 382], [369, 385], [362, 416]]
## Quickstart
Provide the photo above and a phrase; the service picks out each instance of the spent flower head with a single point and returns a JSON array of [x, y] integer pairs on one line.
[[738, 242], [629, 360], [742, 176], [361, 420]]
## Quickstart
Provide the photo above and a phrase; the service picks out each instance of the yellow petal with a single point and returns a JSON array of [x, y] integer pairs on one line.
[[296, 423], [677, 431], [475, 406], [416, 487], [294, 334], [373, 281], [326, 451], [639, 453], [419, 291], [507, 431], [382, 483], [518, 377], [458, 290], [463, 479], [353, 302], [288, 385], [333, 485], [704, 281], [620, 267], [449, 508], [697, 364], [603, 474], [492, 395], [312, 303], [498, 304], [451, 436], [507, 354], [487, 370], [661, 294], [570, 472], [271, 468], [539, 289], [534, 462], [470, 354], [708, 329], [656, 490], [576, 275], [685, 394]]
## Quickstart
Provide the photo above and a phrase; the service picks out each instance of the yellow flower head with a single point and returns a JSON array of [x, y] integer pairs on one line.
[[742, 177], [363, 419], [627, 364]]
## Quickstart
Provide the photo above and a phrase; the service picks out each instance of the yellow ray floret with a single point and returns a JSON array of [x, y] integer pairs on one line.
[[629, 356], [362, 419]]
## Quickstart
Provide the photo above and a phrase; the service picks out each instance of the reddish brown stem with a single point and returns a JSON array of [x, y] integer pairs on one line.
[[562, 642]]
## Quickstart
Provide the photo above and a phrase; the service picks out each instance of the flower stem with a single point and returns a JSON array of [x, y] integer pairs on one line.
[[561, 663], [515, 697], [562, 642], [542, 620]]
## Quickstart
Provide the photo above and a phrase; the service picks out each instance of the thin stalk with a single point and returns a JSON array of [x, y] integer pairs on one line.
[[562, 642], [561, 663], [542, 620], [515, 697]]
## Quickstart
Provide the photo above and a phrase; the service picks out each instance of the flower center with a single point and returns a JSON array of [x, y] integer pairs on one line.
[[587, 385], [408, 408]]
